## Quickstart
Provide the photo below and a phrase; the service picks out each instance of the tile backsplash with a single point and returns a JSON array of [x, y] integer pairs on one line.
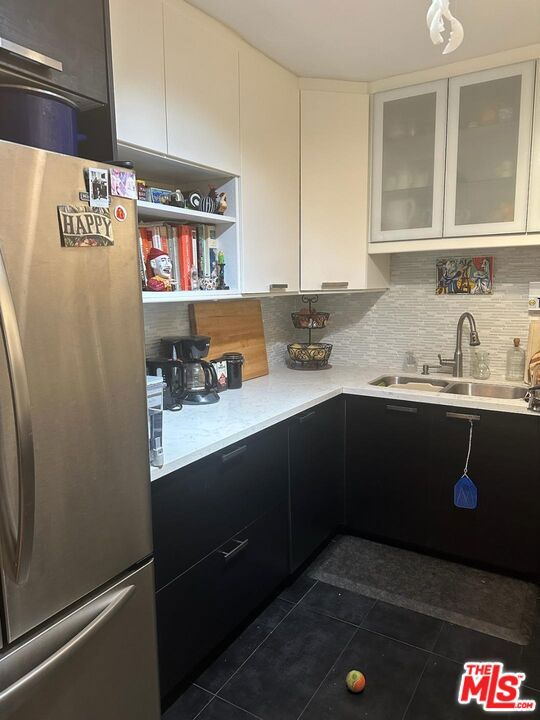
[[378, 328]]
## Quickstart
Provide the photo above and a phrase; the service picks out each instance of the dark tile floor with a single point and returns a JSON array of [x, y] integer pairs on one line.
[[292, 661]]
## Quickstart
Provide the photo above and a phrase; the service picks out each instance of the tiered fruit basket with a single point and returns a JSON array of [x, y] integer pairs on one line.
[[310, 355]]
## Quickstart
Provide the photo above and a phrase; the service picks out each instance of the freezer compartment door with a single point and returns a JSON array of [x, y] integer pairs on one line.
[[74, 474], [97, 662]]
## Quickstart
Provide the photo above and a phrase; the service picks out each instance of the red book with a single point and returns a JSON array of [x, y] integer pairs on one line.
[[185, 255], [146, 242]]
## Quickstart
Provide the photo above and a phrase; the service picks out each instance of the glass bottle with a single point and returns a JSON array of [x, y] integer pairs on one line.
[[515, 362]]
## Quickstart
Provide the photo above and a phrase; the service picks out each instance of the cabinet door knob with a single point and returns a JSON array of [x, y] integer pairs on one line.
[[30, 55], [279, 286], [307, 416], [227, 457], [241, 545]]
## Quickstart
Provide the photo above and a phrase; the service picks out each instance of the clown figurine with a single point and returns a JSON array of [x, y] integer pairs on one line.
[[159, 269]]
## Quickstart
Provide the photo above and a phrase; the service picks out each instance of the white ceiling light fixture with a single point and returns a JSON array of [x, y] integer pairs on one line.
[[438, 12]]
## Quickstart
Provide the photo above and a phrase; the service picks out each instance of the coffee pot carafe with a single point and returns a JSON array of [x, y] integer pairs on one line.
[[199, 378]]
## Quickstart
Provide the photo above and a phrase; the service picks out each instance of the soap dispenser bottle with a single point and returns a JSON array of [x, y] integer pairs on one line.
[[515, 362]]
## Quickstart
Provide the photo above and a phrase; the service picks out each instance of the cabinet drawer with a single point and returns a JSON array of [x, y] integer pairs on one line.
[[201, 607], [202, 505]]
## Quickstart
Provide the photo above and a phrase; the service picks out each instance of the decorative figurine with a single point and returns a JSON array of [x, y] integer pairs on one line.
[[177, 199], [159, 269], [208, 204], [193, 199], [221, 271], [222, 203]]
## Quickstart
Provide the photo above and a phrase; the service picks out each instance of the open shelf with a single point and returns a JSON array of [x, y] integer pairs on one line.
[[168, 213], [189, 296]]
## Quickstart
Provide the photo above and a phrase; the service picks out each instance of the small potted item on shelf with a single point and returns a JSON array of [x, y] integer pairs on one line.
[[310, 355], [159, 271]]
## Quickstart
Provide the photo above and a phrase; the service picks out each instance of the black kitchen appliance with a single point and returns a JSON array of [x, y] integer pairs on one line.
[[172, 372], [199, 378]]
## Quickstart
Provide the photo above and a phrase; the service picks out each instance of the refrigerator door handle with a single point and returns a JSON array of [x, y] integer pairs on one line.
[[23, 429], [12, 696]]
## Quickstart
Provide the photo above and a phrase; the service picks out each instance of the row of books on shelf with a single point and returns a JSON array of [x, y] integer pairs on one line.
[[193, 252]]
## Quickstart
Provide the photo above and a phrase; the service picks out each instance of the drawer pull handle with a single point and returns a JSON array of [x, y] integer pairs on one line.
[[227, 457], [334, 285], [307, 416], [402, 409], [241, 545], [30, 55], [463, 416], [279, 286]]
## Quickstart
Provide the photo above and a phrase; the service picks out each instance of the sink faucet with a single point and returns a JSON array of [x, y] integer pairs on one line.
[[457, 363]]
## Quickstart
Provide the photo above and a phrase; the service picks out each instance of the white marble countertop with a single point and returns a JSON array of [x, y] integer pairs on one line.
[[197, 431]]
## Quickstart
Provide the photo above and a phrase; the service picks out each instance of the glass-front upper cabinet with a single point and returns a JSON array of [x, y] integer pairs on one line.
[[534, 187], [409, 134], [488, 151]]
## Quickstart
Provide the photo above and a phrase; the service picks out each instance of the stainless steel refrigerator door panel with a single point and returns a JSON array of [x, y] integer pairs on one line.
[[79, 314], [18, 383], [97, 662]]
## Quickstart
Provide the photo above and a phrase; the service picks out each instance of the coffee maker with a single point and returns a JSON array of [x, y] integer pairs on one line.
[[199, 379]]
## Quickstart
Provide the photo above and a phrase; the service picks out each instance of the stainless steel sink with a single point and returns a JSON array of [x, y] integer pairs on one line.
[[414, 382], [504, 392]]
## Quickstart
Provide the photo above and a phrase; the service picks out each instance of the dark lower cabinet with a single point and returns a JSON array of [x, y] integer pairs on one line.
[[386, 469], [403, 460], [205, 604], [200, 506], [503, 530], [316, 456]]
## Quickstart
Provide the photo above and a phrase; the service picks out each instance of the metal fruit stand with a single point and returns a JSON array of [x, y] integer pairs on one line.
[[309, 355]]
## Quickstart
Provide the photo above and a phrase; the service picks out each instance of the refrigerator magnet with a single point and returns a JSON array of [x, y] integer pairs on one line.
[[120, 213], [83, 226], [98, 187], [123, 183]]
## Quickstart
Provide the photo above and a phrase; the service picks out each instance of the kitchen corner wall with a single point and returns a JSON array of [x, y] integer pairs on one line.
[[378, 328]]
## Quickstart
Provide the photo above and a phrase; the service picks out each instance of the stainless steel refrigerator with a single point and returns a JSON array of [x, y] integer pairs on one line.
[[77, 612]]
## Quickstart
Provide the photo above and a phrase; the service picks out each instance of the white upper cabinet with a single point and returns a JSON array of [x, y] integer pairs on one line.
[[488, 151], [534, 190], [270, 168], [201, 78], [139, 72], [334, 192], [409, 136]]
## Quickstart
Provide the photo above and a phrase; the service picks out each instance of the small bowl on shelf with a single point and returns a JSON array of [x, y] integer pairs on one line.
[[309, 356], [310, 320]]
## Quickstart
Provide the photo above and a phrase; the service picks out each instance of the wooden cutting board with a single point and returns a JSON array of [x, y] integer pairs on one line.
[[233, 326]]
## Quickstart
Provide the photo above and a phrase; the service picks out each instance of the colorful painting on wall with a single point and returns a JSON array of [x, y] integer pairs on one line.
[[465, 276]]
